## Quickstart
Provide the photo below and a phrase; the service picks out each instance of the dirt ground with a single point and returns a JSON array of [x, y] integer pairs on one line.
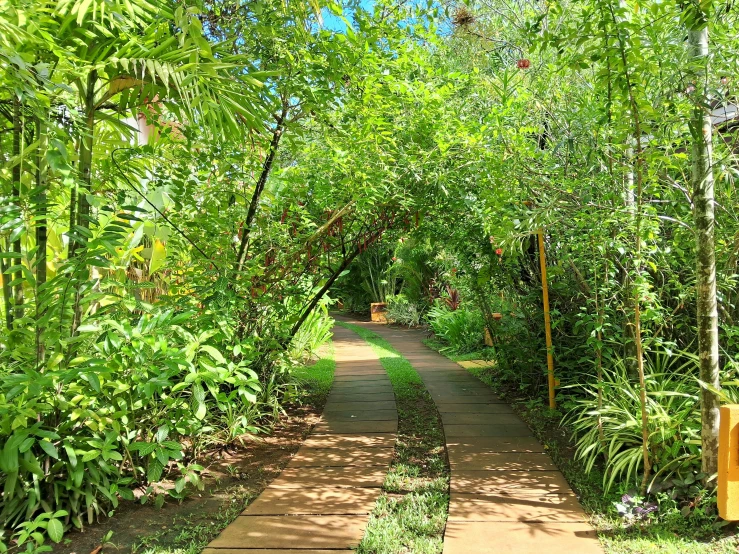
[[231, 479]]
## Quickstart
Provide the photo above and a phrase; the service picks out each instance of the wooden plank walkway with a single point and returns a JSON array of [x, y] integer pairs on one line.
[[506, 494], [322, 500]]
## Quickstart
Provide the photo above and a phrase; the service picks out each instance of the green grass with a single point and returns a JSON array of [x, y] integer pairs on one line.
[[411, 514], [316, 380], [442, 347], [196, 531], [667, 533]]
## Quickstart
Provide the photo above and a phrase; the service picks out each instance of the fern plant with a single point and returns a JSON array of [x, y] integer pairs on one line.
[[314, 333], [400, 310]]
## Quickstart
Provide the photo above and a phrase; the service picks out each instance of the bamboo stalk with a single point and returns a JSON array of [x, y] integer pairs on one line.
[[547, 321]]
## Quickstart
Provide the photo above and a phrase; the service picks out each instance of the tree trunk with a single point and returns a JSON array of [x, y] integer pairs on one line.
[[258, 189], [16, 246], [72, 218], [627, 283], [639, 189], [87, 140], [703, 200], [40, 205], [7, 293], [600, 322], [41, 234]]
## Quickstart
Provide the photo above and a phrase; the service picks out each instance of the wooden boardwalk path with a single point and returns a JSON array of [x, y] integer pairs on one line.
[[506, 494], [322, 500]]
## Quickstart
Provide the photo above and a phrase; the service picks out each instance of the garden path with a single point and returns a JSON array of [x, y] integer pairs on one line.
[[506, 494], [322, 500]]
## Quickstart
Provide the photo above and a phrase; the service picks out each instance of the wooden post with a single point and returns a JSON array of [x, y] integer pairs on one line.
[[728, 464], [547, 322]]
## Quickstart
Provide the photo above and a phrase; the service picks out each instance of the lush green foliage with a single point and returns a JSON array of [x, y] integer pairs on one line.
[[183, 185], [674, 421], [166, 232], [462, 329], [404, 312]]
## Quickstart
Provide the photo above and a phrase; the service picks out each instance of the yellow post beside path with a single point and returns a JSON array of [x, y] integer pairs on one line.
[[547, 322], [728, 463]]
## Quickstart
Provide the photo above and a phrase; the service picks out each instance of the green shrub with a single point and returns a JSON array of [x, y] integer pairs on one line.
[[129, 409], [401, 310], [462, 329], [314, 333], [673, 425]]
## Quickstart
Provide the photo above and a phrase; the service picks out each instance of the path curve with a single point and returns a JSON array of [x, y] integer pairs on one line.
[[507, 496], [322, 500]]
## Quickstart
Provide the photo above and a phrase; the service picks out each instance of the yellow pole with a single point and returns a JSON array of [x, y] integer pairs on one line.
[[547, 322], [728, 464]]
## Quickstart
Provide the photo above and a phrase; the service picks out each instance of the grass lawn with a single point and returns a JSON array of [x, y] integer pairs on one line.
[[411, 514], [315, 380]]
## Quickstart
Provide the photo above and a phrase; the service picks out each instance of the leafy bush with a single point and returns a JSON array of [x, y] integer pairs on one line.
[[519, 349], [462, 329], [315, 332], [127, 411], [673, 425], [401, 310]]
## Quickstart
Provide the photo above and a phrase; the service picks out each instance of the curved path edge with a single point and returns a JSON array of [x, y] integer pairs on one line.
[[507, 496], [321, 502]]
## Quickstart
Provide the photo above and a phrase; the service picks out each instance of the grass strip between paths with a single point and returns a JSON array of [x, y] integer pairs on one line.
[[411, 514]]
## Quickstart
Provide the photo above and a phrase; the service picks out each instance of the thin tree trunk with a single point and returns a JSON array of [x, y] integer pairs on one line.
[[639, 165], [630, 348], [317, 298], [629, 200], [259, 188], [637, 306], [599, 354], [16, 176], [72, 218], [5, 279], [704, 220], [41, 232], [7, 293], [87, 141]]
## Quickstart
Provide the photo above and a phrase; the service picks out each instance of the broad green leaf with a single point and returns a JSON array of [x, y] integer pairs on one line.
[[55, 529], [49, 448], [215, 354], [198, 401]]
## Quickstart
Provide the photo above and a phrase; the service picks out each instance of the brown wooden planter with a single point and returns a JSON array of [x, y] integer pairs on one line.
[[377, 312]]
